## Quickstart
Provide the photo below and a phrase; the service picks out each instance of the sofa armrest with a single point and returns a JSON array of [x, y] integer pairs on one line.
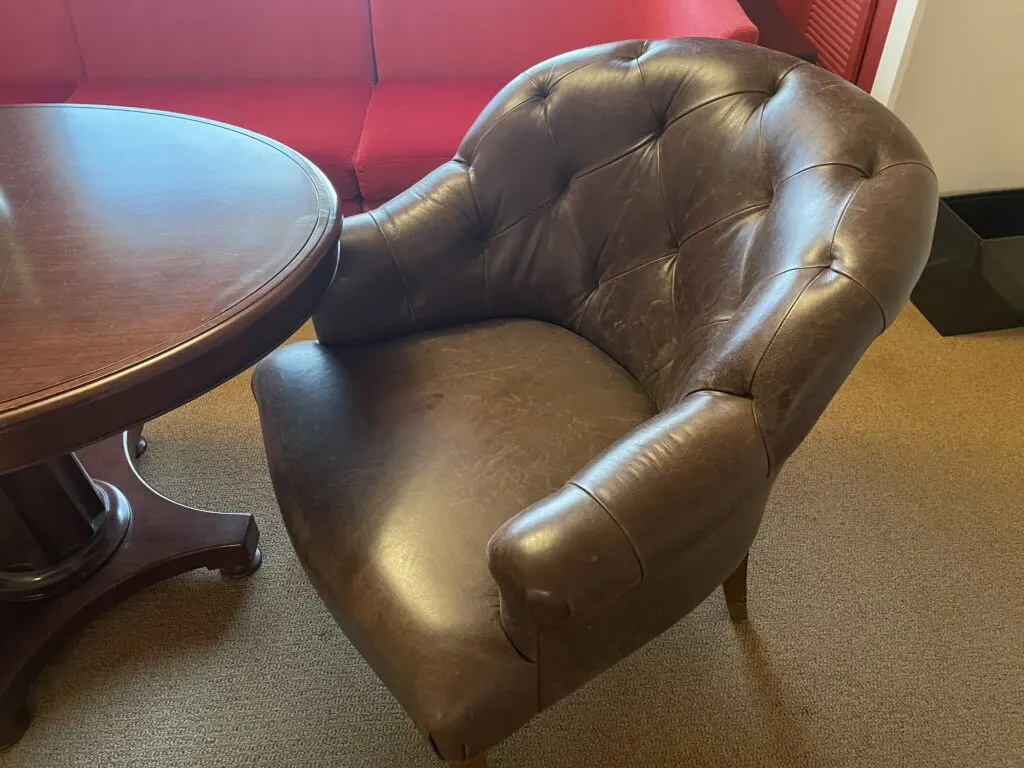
[[629, 515], [707, 18]]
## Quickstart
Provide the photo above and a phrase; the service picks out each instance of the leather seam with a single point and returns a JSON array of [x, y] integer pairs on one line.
[[902, 163], [711, 101], [764, 440], [523, 218], [857, 168], [760, 142], [859, 284], [778, 329], [782, 322], [672, 290], [790, 71], [753, 414], [716, 222], [664, 195], [632, 546], [585, 309], [647, 93], [645, 142], [398, 267], [650, 377], [631, 270], [497, 122], [709, 391], [819, 267], [572, 71], [709, 323], [835, 234], [551, 135], [484, 245]]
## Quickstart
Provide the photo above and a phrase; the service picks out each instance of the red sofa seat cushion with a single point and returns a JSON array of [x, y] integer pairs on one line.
[[412, 127], [34, 92], [223, 39], [498, 39], [322, 120]]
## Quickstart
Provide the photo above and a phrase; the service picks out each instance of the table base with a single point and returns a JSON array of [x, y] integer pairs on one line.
[[163, 539]]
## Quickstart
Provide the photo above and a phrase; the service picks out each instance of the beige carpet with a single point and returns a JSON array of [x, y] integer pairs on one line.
[[887, 603]]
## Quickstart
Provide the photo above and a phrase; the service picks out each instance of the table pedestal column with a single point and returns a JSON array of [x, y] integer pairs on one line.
[[57, 526], [78, 534]]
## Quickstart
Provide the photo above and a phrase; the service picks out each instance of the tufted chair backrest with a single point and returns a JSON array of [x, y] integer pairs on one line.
[[712, 215]]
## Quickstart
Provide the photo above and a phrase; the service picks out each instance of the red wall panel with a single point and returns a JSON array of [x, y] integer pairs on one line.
[[875, 43], [839, 30], [797, 10], [849, 34]]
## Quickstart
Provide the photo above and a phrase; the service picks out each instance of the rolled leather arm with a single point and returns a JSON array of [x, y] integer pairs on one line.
[[629, 515], [410, 265]]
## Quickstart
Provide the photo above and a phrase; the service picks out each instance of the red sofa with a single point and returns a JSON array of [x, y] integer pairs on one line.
[[375, 106]]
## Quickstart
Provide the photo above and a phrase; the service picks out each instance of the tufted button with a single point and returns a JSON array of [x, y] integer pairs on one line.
[[781, 79]]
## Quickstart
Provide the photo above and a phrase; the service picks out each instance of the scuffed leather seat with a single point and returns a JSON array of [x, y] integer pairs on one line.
[[557, 378]]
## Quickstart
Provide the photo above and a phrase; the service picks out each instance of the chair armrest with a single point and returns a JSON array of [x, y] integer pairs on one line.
[[409, 265], [629, 515]]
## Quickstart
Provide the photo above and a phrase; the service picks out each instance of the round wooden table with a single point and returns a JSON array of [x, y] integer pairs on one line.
[[145, 257]]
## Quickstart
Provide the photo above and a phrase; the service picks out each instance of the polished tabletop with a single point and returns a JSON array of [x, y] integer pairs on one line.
[[131, 242]]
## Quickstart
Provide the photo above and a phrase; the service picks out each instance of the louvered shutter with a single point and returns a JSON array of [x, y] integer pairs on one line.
[[839, 30]]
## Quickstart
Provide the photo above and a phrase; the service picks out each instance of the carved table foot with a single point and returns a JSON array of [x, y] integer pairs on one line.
[[96, 504]]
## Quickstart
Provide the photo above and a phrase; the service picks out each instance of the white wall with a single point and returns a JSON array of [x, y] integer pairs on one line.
[[953, 70]]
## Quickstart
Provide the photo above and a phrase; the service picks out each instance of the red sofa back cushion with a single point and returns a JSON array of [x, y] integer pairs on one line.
[[223, 39], [498, 39], [37, 42]]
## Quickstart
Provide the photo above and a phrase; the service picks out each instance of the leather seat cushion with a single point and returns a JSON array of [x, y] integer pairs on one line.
[[412, 127], [394, 464], [322, 120]]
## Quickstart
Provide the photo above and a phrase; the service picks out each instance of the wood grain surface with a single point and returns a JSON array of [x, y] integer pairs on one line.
[[144, 258]]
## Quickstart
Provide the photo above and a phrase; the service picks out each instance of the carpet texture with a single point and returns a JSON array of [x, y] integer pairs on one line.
[[887, 602]]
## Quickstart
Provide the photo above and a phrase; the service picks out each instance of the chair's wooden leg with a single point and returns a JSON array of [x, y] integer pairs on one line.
[[480, 761], [735, 588]]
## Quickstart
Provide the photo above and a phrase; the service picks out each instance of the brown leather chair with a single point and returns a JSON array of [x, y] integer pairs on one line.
[[557, 378]]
